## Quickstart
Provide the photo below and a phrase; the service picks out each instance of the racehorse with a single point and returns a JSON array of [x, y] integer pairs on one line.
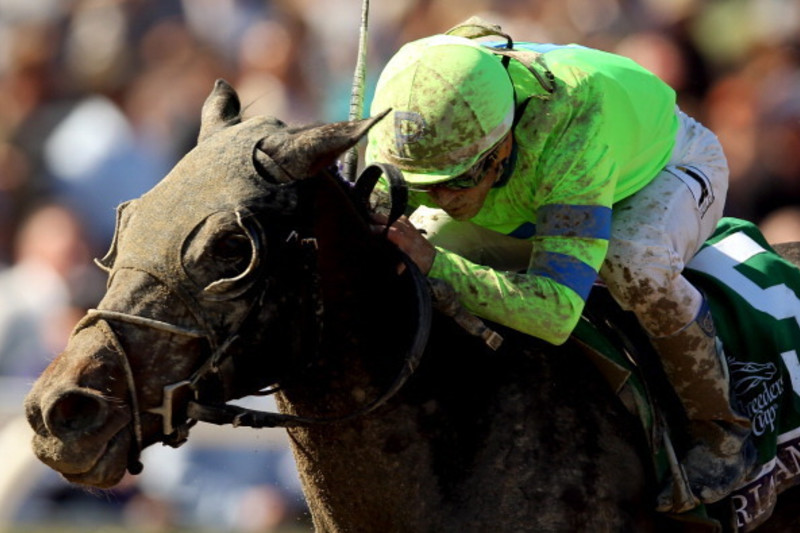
[[252, 268]]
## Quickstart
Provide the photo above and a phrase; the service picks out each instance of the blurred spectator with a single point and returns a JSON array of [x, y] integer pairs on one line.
[[778, 142], [96, 162], [262, 509], [250, 485], [755, 111], [782, 225], [37, 312], [14, 175]]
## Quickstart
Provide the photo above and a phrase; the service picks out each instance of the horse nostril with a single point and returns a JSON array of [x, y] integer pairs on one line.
[[76, 412], [34, 415]]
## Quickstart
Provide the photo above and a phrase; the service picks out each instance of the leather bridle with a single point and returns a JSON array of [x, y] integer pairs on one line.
[[176, 424]]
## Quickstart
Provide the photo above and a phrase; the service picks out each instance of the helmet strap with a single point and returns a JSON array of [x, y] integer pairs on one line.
[[508, 165]]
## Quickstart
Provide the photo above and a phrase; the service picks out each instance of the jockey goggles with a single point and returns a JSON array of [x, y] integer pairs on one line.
[[466, 180]]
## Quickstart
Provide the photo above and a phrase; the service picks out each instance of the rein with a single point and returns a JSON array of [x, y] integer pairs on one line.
[[176, 424], [221, 414]]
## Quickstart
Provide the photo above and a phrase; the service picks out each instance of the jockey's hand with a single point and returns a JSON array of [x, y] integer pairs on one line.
[[408, 238]]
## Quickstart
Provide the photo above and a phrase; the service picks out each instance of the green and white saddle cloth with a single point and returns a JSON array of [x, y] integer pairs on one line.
[[754, 296]]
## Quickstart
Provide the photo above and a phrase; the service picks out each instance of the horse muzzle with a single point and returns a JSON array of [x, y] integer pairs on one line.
[[83, 429]]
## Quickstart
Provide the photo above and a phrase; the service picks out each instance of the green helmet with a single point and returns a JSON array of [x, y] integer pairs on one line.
[[451, 101]]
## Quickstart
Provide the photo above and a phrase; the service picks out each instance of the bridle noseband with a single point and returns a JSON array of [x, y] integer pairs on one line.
[[176, 424]]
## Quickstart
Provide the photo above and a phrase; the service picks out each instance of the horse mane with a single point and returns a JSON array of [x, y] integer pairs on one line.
[[365, 301]]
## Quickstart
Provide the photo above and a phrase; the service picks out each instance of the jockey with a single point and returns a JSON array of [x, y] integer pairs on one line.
[[533, 176]]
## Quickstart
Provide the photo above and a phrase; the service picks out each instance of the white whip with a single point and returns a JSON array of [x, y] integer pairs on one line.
[[350, 164]]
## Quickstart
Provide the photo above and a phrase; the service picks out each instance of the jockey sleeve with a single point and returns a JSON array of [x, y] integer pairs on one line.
[[605, 132]]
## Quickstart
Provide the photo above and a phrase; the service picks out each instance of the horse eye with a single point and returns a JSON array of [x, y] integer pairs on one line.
[[221, 255], [232, 251], [231, 246]]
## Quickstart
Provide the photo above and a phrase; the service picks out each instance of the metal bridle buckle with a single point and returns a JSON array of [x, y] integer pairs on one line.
[[177, 391]]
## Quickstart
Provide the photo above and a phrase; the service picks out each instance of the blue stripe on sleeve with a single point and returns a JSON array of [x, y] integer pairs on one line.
[[524, 231], [565, 270], [588, 221]]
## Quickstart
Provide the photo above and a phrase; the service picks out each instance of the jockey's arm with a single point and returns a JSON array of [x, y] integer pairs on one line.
[[547, 300]]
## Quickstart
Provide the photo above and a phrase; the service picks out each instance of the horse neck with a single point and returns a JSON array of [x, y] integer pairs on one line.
[[363, 305], [367, 323]]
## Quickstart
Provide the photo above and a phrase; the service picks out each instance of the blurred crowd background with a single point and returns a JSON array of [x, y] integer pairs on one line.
[[99, 98]]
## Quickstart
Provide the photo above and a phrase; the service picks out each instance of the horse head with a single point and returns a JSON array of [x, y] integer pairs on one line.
[[211, 293]]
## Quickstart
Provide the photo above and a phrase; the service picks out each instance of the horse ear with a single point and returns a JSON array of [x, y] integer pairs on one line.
[[107, 262], [307, 152], [220, 110]]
